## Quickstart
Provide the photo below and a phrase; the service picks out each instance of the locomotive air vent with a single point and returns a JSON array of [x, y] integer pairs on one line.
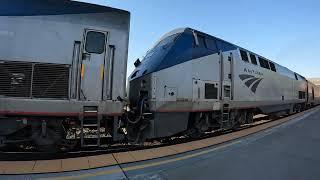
[[15, 79], [18, 79], [50, 81]]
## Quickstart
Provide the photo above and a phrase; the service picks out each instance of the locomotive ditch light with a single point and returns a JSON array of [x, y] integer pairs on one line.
[[137, 63]]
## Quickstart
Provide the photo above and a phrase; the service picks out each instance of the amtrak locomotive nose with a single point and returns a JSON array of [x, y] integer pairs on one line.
[[174, 48], [164, 61]]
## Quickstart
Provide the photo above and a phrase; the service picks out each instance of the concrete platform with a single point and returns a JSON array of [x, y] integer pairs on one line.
[[287, 151]]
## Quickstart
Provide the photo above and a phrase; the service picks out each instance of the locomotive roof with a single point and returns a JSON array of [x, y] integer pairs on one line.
[[224, 46], [283, 67], [51, 7]]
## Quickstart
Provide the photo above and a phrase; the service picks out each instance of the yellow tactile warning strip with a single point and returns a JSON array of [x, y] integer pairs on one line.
[[72, 164]]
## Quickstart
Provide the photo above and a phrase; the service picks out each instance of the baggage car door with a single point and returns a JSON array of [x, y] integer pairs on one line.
[[93, 65]]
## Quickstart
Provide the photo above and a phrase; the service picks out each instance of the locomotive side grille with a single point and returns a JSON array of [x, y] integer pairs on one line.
[[50, 81], [15, 79], [34, 80]]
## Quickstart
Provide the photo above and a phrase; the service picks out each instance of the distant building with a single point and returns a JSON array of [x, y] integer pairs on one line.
[[315, 81]]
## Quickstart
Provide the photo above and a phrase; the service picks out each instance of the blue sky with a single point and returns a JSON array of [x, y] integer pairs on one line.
[[287, 32]]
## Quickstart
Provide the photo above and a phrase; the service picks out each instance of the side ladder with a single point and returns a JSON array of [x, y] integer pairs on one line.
[[225, 118], [90, 120]]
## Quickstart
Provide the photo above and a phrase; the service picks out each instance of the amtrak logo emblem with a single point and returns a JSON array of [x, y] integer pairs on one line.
[[250, 81]]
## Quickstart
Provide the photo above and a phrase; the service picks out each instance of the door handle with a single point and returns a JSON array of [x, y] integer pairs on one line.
[[86, 56]]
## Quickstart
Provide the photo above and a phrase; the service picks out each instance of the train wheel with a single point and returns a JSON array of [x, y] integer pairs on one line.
[[47, 139], [242, 117], [249, 117], [235, 117], [194, 133], [199, 126], [47, 143], [67, 145]]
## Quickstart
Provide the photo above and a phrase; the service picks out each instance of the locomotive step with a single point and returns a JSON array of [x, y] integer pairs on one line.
[[90, 111], [90, 125], [90, 145]]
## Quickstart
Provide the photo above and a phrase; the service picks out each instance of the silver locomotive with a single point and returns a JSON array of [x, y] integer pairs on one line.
[[62, 73], [191, 82]]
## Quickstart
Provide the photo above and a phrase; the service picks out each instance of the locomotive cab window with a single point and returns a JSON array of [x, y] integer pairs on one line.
[[272, 66], [201, 41], [224, 46], [95, 42], [264, 63], [244, 55], [211, 44], [253, 59]]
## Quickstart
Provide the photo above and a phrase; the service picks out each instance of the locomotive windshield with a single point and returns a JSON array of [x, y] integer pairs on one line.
[[163, 52], [155, 55], [162, 46]]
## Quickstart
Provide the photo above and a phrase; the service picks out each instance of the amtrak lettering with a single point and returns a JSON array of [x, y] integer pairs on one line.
[[251, 71], [250, 81]]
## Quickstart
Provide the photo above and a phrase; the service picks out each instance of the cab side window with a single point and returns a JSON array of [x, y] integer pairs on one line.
[[202, 41], [244, 55], [272, 66], [253, 59], [95, 42], [211, 44], [264, 63]]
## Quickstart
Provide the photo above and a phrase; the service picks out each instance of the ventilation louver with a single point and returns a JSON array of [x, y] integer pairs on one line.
[[15, 79], [18, 79], [50, 81]]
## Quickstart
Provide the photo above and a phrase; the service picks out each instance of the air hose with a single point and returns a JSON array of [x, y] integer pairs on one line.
[[141, 110]]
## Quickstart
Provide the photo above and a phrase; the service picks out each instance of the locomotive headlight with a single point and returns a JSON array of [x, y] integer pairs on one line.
[[143, 84]]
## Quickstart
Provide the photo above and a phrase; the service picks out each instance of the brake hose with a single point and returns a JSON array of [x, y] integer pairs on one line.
[[141, 112]]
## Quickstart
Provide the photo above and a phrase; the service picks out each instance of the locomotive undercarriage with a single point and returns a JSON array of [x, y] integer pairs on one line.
[[198, 124], [201, 122], [50, 134], [139, 120]]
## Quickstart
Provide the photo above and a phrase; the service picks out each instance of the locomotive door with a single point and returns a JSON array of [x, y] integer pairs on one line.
[[92, 67], [226, 76]]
